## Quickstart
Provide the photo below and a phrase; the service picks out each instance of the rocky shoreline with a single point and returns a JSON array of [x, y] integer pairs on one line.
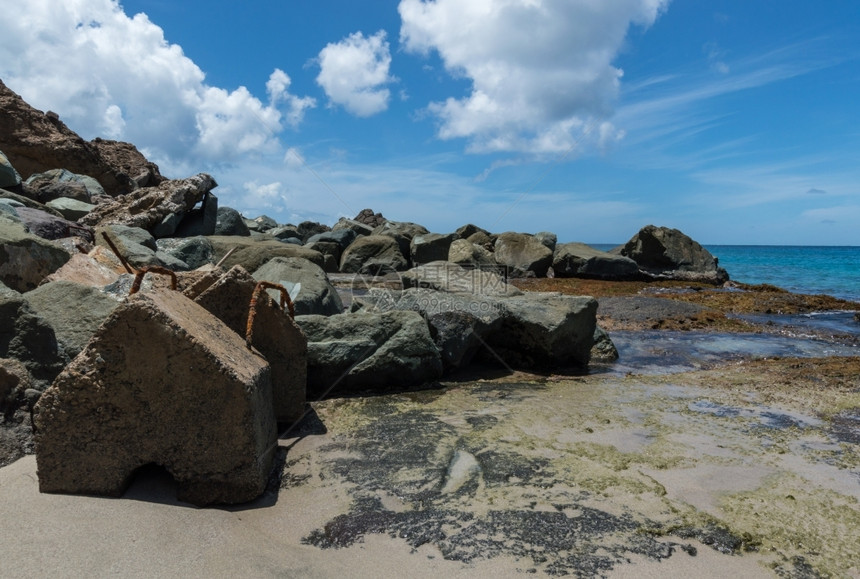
[[454, 392]]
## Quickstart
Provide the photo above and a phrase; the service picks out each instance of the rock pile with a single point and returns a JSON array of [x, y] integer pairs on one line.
[[118, 381]]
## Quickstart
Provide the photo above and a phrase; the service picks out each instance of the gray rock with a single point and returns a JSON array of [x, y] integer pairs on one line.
[[348, 353], [28, 338], [62, 183], [468, 254], [331, 253], [163, 381], [46, 225], [73, 310], [402, 232], [193, 251], [548, 238], [342, 237], [308, 229], [469, 230], [273, 333], [450, 277], [581, 260], [523, 253], [200, 220], [138, 247], [253, 251], [667, 253], [351, 224], [307, 283], [427, 247], [26, 259], [9, 177], [71, 209], [459, 323], [264, 223], [485, 240], [604, 349], [371, 254], [286, 233], [546, 331], [230, 222]]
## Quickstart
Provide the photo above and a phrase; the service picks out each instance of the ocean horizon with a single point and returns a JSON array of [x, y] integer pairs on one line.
[[808, 269]]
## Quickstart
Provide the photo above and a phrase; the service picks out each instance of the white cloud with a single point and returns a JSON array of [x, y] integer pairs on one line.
[[354, 72], [108, 74], [541, 71]]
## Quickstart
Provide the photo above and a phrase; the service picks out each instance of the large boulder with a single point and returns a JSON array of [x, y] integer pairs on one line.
[[309, 286], [402, 232], [668, 253], [371, 254], [230, 222], [523, 253], [201, 220], [9, 177], [193, 251], [97, 268], [162, 382], [137, 246], [546, 331], [467, 254], [71, 209], [74, 311], [149, 207], [253, 251], [35, 142], [428, 247], [581, 260], [342, 237], [273, 333], [26, 259], [46, 225], [450, 277], [28, 338], [459, 323], [62, 183], [355, 226], [348, 353]]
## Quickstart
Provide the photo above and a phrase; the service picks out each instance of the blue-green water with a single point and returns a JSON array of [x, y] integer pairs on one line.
[[831, 270]]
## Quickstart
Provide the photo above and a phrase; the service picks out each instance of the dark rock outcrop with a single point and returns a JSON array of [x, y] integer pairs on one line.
[[523, 253], [348, 353], [26, 259], [369, 218], [428, 247], [581, 260], [309, 287], [668, 253], [35, 142], [371, 254]]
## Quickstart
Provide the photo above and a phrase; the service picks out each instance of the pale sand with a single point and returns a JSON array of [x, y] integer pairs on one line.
[[148, 534]]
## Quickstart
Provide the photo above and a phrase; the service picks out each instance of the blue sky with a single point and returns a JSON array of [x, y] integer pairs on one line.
[[735, 121]]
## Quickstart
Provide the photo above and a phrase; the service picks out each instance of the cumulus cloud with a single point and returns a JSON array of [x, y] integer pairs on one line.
[[541, 71], [354, 72], [116, 76]]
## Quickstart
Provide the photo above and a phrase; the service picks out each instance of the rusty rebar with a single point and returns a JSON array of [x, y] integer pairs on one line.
[[117, 253], [286, 305], [138, 277]]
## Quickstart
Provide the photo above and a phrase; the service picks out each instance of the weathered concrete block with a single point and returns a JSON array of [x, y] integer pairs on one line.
[[162, 381], [275, 335]]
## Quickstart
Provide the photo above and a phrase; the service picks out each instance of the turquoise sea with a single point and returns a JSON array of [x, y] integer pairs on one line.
[[831, 270]]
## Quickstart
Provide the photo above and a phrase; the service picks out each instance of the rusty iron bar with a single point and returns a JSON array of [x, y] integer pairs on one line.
[[88, 233], [117, 253], [138, 277], [286, 305]]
